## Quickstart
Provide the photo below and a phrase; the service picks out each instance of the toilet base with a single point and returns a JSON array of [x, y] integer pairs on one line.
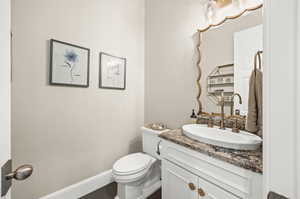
[[145, 192]]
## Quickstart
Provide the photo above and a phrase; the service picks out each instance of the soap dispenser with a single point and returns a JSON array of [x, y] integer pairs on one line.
[[193, 117]]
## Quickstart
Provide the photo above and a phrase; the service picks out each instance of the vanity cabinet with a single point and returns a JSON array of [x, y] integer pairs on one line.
[[178, 183], [189, 174]]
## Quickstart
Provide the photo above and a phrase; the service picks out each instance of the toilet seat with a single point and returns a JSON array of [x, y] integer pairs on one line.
[[132, 164], [132, 167]]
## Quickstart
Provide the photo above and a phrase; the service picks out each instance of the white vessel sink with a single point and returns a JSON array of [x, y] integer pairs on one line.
[[222, 138]]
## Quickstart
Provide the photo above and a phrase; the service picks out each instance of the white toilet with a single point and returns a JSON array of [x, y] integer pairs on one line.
[[139, 175]]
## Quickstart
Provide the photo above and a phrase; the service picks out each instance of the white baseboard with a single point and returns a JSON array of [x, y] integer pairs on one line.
[[83, 188]]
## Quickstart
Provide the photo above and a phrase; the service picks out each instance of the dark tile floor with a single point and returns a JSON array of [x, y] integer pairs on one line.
[[110, 191], [107, 192], [156, 195]]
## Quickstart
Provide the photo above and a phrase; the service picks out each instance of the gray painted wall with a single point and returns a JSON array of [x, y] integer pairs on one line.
[[69, 134], [171, 57]]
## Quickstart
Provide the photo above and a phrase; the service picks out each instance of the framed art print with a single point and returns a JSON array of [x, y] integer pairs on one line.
[[112, 72], [69, 64]]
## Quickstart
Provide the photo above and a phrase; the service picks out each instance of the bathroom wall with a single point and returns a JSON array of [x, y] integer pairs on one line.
[[69, 134], [170, 71], [171, 57]]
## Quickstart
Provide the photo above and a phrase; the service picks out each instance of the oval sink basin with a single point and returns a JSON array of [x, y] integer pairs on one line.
[[222, 138]]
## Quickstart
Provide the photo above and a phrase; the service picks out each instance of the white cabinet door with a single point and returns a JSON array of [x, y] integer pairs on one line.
[[177, 183], [208, 190]]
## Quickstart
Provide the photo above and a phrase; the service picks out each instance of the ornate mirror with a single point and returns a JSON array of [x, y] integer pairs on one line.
[[230, 46]]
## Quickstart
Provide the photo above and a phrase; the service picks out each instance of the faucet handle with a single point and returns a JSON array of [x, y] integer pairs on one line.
[[235, 127], [237, 121], [202, 118], [216, 114], [238, 117], [210, 123]]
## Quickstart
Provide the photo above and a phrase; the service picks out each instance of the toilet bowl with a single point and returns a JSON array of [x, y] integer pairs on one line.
[[135, 174], [139, 174]]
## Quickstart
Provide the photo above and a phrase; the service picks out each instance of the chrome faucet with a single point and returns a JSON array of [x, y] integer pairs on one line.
[[222, 104], [232, 102]]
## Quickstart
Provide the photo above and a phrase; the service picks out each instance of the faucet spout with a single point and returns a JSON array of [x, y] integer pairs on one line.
[[232, 102]]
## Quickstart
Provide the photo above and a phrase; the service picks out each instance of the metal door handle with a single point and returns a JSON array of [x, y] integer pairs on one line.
[[21, 173]]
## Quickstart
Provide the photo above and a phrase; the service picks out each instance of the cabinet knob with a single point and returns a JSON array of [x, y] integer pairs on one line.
[[192, 186], [201, 192]]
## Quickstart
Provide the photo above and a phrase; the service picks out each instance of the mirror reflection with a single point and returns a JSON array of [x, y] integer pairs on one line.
[[231, 79]]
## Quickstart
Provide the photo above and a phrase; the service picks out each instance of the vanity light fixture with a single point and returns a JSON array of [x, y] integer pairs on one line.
[[211, 7], [210, 10]]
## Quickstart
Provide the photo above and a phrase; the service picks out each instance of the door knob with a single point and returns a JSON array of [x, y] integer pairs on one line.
[[21, 173]]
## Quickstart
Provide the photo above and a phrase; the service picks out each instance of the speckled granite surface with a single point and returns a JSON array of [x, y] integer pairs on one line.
[[251, 160]]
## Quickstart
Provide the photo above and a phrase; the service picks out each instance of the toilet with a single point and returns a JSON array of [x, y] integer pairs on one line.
[[139, 174]]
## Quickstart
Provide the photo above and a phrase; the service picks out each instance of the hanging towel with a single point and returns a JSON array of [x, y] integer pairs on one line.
[[254, 117]]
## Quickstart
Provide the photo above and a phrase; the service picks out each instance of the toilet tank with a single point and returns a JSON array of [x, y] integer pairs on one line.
[[151, 141]]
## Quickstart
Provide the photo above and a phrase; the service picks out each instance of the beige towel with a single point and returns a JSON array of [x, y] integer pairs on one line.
[[254, 117]]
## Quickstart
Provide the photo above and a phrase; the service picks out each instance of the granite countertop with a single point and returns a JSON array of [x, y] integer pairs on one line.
[[251, 160]]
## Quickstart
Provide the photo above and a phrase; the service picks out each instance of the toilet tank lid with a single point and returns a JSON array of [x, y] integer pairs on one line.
[[151, 131]]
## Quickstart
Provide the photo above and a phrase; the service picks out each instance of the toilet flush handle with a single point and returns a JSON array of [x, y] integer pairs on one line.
[[158, 148]]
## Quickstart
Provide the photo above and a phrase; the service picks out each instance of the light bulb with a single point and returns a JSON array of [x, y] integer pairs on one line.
[[210, 10]]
